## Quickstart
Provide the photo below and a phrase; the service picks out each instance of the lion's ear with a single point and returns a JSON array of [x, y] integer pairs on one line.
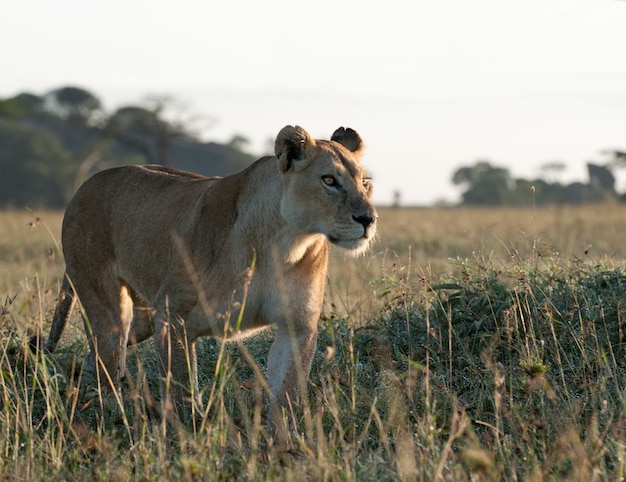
[[349, 139], [291, 146]]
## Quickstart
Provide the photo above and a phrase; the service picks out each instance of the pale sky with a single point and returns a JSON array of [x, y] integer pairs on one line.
[[429, 85]]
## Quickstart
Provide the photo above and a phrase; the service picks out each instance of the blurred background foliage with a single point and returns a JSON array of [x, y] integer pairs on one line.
[[50, 144]]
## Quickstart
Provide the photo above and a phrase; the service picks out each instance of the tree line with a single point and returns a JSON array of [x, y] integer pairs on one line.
[[50, 143], [491, 185]]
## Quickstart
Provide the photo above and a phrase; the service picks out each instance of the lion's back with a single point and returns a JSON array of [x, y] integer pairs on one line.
[[120, 206]]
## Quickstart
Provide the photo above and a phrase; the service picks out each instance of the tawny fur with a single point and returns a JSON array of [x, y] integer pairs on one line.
[[157, 251]]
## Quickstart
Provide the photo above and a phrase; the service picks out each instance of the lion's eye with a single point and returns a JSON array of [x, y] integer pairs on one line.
[[330, 181]]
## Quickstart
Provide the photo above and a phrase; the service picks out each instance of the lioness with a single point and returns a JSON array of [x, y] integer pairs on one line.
[[154, 250]]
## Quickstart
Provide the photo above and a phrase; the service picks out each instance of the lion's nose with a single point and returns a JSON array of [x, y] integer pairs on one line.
[[364, 219]]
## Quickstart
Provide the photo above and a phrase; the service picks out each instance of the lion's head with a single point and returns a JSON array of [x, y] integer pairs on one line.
[[326, 190]]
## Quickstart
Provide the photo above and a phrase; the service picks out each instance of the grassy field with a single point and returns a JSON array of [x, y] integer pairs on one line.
[[471, 344]]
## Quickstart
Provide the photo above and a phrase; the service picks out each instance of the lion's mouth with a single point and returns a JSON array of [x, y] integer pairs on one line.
[[352, 244], [335, 240], [354, 241]]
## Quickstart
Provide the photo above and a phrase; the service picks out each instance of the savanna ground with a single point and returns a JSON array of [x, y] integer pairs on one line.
[[471, 344]]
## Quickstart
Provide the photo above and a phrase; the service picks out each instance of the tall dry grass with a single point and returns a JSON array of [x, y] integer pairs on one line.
[[470, 345]]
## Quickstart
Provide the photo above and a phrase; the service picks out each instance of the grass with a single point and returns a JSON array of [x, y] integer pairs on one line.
[[471, 345]]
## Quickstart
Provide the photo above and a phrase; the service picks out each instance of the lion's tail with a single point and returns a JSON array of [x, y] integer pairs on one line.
[[61, 315]]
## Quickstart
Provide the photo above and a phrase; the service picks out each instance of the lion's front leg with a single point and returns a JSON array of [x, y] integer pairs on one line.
[[289, 363], [178, 367]]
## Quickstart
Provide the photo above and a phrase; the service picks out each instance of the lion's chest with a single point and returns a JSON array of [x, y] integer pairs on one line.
[[266, 297]]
